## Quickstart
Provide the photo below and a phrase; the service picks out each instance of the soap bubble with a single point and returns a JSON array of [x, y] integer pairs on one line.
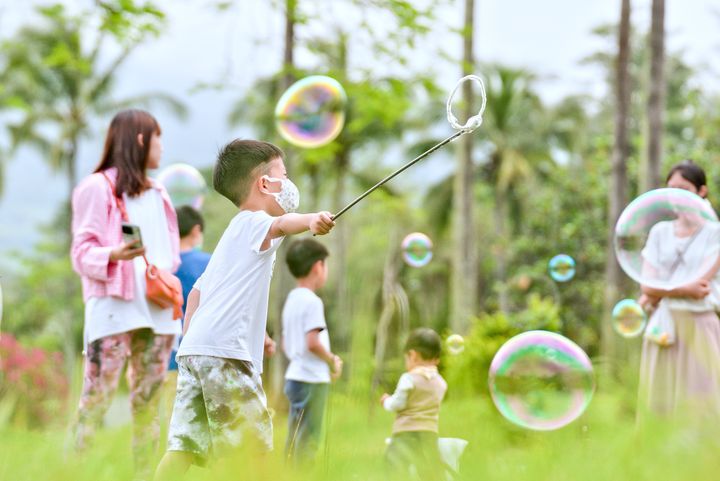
[[311, 113], [628, 318], [562, 268], [455, 344], [185, 184], [541, 380], [666, 238], [417, 249]]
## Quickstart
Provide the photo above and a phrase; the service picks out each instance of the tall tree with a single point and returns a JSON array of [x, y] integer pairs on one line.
[[656, 97], [284, 283], [515, 125], [618, 181], [464, 262], [59, 74]]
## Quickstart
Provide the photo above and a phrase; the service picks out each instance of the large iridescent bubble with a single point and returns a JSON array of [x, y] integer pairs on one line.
[[541, 380], [562, 268], [666, 238], [417, 249], [184, 183], [311, 113], [628, 318]]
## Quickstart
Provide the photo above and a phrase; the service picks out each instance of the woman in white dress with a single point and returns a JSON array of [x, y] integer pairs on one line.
[[120, 323], [682, 380]]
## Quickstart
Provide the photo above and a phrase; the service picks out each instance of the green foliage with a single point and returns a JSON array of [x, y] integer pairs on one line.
[[467, 372], [58, 73], [46, 301], [130, 21]]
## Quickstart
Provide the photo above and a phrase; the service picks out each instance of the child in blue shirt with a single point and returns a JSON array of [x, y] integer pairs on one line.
[[193, 261]]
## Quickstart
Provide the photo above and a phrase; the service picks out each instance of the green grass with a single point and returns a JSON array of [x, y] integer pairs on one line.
[[602, 445]]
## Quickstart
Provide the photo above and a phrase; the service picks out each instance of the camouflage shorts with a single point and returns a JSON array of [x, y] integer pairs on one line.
[[220, 406]]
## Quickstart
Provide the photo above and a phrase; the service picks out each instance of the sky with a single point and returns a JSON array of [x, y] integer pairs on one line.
[[202, 46]]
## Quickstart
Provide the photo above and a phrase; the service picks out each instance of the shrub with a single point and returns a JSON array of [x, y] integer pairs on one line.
[[467, 372], [33, 386]]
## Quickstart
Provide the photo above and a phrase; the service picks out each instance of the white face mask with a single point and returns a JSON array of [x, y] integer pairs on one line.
[[289, 196]]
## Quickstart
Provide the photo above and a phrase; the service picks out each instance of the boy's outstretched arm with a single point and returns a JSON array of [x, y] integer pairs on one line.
[[319, 223]]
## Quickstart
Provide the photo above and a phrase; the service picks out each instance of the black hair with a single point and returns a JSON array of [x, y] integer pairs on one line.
[[425, 342], [237, 166], [303, 254], [188, 217], [689, 171]]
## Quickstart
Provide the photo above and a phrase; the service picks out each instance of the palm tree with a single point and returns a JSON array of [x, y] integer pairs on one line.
[[618, 182], [55, 85], [514, 126], [284, 282], [656, 97], [464, 260]]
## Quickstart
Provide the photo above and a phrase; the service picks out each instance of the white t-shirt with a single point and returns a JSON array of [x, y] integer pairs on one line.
[[685, 259], [303, 312], [231, 317], [105, 316]]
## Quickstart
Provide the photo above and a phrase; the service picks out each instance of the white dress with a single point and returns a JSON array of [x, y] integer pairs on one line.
[[105, 316], [683, 379]]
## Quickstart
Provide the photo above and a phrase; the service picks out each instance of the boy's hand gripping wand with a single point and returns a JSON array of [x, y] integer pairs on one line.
[[469, 126]]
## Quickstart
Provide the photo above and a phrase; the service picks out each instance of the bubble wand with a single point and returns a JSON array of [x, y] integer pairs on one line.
[[472, 123]]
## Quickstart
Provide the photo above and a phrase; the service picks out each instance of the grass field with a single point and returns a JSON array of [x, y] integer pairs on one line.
[[602, 445]]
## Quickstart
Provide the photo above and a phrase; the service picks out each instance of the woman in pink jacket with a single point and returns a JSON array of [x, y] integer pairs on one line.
[[120, 323]]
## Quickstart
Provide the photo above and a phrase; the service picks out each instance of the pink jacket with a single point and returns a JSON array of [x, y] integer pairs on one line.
[[96, 230]]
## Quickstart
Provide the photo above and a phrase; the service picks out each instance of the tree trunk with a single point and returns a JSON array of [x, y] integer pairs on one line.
[[464, 272], [289, 53], [285, 282], [343, 317], [343, 325], [313, 173], [395, 304], [656, 99], [500, 217], [618, 181]]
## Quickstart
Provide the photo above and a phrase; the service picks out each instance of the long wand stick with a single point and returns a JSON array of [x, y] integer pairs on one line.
[[398, 171], [466, 128]]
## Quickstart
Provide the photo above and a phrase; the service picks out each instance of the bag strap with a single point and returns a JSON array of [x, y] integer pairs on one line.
[[120, 203]]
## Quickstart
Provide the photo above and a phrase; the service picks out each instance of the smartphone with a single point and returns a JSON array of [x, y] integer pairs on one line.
[[131, 233]]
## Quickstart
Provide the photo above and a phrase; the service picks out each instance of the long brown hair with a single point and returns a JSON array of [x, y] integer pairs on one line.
[[123, 151]]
